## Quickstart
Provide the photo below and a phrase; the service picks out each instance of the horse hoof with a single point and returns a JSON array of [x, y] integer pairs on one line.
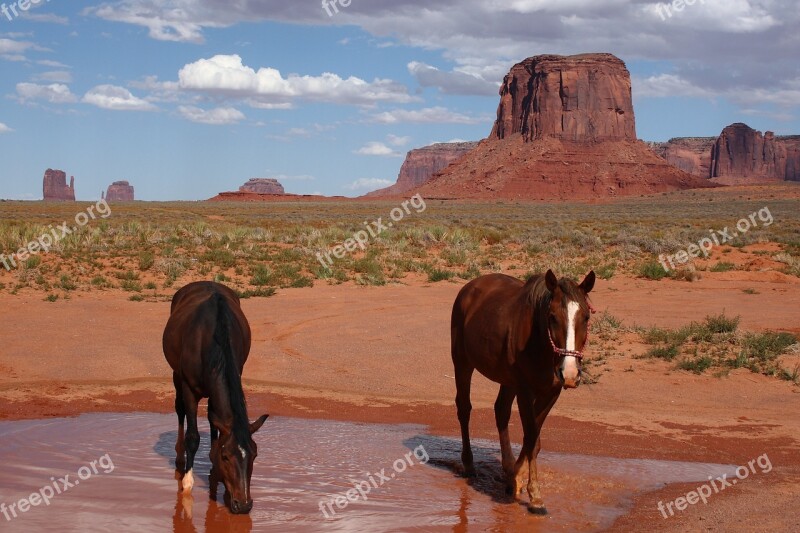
[[538, 510], [188, 482], [469, 472]]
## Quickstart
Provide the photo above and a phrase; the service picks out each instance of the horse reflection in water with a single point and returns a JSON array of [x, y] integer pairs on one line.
[[217, 518]]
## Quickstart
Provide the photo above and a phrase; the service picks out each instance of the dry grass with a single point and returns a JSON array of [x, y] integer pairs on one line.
[[257, 248]]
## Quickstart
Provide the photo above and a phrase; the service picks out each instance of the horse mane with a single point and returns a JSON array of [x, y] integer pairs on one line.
[[221, 361]]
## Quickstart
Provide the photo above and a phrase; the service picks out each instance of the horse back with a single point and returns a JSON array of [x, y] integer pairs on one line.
[[190, 332], [488, 316]]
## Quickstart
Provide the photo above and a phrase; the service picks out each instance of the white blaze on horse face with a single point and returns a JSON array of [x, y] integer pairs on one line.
[[244, 454], [569, 367]]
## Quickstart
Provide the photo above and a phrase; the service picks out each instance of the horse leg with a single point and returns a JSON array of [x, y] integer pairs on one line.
[[502, 414], [180, 452], [192, 439], [213, 431], [527, 414], [463, 385]]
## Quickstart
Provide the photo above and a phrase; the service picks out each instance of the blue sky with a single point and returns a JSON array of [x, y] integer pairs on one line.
[[186, 98]]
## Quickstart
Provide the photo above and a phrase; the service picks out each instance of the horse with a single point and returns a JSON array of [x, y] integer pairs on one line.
[[524, 336], [206, 343]]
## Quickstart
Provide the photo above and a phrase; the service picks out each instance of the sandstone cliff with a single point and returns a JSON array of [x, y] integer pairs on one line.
[[422, 163], [584, 97], [744, 155], [690, 154], [55, 186]]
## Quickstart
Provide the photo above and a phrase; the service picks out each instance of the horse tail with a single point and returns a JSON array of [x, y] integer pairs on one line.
[[227, 364]]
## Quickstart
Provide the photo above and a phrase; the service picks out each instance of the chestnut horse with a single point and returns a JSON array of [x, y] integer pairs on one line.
[[528, 337], [206, 342]]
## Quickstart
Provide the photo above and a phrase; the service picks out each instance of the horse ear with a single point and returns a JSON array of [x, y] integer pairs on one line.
[[588, 283], [218, 423], [551, 280], [255, 426]]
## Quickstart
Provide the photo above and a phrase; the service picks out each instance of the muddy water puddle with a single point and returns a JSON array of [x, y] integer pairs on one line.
[[116, 473]]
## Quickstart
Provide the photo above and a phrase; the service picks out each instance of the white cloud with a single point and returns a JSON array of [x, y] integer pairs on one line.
[[226, 75], [11, 50], [55, 93], [429, 115], [4, 128], [368, 184], [394, 140], [377, 148], [116, 98], [159, 91], [666, 85], [59, 76], [52, 64], [217, 117], [454, 82], [45, 17]]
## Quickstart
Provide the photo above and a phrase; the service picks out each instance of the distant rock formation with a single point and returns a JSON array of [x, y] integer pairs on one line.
[[263, 186], [55, 186], [744, 154], [739, 155], [580, 98], [690, 154], [120, 191], [422, 163], [792, 144], [565, 130]]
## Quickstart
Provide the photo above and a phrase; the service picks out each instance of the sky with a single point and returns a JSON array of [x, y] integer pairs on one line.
[[187, 98]]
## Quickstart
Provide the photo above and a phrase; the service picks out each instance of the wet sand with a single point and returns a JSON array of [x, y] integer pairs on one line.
[[381, 355]]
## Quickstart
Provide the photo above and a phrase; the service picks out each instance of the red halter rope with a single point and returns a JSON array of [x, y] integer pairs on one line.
[[577, 354]]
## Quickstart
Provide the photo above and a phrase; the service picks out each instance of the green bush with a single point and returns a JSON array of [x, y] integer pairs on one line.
[[652, 270]]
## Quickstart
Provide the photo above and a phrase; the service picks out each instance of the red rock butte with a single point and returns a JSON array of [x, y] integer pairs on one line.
[[55, 186], [120, 191], [584, 97], [422, 163], [565, 129], [740, 155], [263, 186]]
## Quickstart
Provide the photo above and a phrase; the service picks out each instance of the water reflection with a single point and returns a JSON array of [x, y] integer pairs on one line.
[[300, 464]]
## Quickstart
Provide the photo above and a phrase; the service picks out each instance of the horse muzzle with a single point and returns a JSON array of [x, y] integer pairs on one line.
[[570, 372], [241, 507]]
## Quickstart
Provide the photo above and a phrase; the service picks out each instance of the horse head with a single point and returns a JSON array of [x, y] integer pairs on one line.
[[568, 325], [232, 456]]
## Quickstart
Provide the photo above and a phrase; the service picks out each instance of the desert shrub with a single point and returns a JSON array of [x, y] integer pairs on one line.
[[652, 270]]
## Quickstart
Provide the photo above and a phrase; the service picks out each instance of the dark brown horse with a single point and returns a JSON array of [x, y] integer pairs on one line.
[[206, 342], [528, 338]]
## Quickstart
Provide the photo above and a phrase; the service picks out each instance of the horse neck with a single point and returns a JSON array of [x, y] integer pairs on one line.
[[536, 318], [228, 401]]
